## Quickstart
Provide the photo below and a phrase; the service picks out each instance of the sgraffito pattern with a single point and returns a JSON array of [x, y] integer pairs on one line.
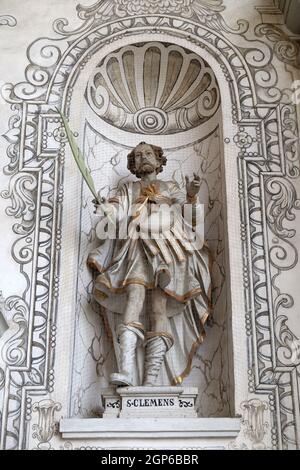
[[268, 169]]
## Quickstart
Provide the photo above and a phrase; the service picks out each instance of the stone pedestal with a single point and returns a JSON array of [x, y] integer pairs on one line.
[[151, 418], [150, 402], [151, 433]]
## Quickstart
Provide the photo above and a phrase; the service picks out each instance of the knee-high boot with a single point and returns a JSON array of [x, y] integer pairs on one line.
[[155, 351], [128, 335]]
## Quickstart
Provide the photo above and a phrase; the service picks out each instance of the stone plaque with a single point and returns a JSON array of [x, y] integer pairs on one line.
[[154, 402]]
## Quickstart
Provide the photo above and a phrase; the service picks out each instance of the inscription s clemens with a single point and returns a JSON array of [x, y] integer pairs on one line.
[[140, 402]]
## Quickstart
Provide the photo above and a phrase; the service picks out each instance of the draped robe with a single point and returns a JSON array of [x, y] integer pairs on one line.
[[177, 262]]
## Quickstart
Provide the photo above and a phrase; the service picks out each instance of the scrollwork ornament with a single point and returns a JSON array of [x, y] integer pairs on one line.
[[285, 49], [44, 65], [8, 20], [114, 404], [44, 56], [21, 192], [12, 136], [185, 404], [281, 205], [207, 12], [280, 210], [288, 349], [291, 139], [13, 351], [259, 57]]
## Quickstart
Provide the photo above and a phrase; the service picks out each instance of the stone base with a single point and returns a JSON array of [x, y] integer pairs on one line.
[[147, 433], [152, 402], [157, 406]]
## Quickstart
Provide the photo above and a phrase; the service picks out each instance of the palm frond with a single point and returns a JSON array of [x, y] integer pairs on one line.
[[78, 157]]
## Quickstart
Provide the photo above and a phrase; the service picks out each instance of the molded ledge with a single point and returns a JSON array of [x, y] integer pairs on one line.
[[169, 428]]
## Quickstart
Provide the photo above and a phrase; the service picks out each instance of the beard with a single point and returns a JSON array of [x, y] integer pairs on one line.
[[147, 168]]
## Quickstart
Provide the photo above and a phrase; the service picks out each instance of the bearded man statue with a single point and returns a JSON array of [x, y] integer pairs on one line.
[[154, 282]]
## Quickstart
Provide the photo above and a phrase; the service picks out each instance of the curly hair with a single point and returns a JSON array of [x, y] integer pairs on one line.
[[159, 153]]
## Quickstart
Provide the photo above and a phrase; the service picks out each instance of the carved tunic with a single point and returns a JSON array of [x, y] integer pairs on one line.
[[173, 262]]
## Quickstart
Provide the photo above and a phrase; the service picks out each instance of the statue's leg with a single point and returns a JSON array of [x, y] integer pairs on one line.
[[158, 315], [158, 340], [135, 301], [129, 331]]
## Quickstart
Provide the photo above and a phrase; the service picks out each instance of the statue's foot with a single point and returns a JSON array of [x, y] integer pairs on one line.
[[148, 384], [121, 379]]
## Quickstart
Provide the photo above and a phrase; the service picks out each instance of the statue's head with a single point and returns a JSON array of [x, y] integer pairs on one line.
[[146, 158]]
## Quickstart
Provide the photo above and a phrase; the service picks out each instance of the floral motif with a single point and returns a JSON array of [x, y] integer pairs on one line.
[[46, 427], [59, 134], [134, 7], [253, 419], [243, 140], [205, 11], [152, 6]]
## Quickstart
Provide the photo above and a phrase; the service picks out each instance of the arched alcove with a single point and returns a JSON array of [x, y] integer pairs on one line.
[[167, 95], [46, 162], [43, 347]]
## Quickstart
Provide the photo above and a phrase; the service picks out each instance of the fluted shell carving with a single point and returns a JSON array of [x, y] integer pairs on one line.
[[153, 88]]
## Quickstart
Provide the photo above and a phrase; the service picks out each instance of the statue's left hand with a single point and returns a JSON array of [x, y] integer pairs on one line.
[[193, 187]]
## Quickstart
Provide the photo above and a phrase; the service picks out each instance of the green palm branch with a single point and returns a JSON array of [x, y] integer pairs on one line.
[[79, 159]]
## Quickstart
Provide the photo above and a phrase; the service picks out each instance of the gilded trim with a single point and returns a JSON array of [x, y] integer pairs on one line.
[[93, 264], [180, 378], [192, 199], [137, 325], [153, 334], [181, 298]]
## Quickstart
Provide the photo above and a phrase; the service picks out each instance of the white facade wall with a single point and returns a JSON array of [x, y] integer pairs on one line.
[[53, 359]]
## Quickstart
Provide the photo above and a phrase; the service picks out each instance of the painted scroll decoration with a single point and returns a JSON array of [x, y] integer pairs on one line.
[[250, 67]]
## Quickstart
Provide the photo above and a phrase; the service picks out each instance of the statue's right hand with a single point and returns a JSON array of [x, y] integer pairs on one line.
[[98, 203]]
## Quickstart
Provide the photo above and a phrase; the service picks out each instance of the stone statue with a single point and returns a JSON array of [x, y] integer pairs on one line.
[[157, 286]]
